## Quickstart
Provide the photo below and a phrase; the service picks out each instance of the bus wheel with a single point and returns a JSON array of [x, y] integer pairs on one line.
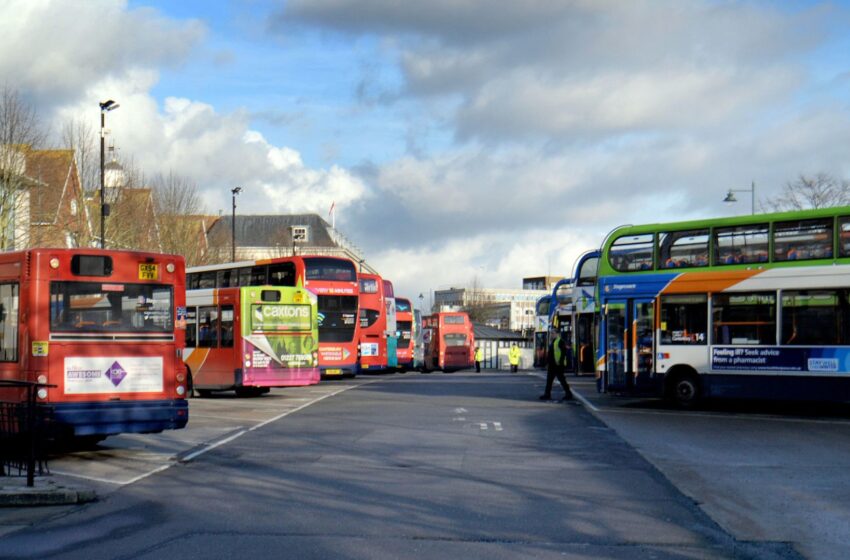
[[204, 393], [190, 384], [684, 389]]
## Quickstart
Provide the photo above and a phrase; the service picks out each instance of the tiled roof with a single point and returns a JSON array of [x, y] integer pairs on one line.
[[270, 231]]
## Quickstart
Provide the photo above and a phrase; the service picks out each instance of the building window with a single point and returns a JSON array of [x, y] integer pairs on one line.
[[73, 207]]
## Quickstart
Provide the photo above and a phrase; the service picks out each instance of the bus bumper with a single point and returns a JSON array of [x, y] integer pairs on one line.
[[116, 417]]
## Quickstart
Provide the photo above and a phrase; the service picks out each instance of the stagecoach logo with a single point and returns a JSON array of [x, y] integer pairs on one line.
[[116, 373]]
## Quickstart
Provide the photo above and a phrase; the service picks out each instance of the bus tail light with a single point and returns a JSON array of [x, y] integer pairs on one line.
[[181, 390], [42, 379], [42, 393], [180, 377]]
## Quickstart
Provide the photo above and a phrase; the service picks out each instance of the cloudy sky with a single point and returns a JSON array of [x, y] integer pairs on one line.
[[458, 139]]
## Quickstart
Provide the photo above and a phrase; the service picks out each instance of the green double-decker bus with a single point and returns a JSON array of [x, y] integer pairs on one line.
[[745, 307]]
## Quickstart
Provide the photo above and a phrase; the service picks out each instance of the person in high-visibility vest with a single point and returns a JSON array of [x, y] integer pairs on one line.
[[558, 356], [513, 357], [479, 357]]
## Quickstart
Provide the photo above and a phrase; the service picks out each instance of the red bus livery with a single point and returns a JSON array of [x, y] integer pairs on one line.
[[449, 341], [373, 323], [100, 326], [404, 321]]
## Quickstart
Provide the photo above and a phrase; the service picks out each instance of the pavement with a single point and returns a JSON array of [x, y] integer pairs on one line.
[[47, 491]]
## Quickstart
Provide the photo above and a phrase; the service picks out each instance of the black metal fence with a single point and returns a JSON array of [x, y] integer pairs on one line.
[[25, 429]]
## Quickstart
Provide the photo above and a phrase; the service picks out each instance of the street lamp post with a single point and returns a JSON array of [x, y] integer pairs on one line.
[[730, 196], [105, 107], [234, 191], [421, 302]]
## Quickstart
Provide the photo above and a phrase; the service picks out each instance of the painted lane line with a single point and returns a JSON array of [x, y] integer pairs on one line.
[[483, 425], [211, 446], [709, 414], [497, 426], [584, 401], [460, 410], [459, 419]]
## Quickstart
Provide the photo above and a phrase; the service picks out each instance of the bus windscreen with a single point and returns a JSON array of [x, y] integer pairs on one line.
[[336, 270]]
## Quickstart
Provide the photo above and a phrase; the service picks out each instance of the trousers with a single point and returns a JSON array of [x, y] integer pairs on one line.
[[551, 373]]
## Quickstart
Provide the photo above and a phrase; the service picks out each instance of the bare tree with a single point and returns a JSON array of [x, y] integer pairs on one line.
[[180, 218], [80, 136], [20, 131], [475, 302], [821, 191]]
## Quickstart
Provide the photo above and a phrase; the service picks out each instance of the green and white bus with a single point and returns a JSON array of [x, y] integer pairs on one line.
[[745, 307]]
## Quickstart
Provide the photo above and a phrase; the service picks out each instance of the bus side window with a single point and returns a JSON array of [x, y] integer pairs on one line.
[[191, 327], [226, 326], [9, 323], [244, 277], [207, 327]]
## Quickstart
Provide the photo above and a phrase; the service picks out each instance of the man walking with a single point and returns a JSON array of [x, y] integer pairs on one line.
[[557, 358], [513, 357], [479, 357]]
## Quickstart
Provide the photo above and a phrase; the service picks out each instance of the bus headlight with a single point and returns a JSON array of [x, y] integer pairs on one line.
[[42, 393], [180, 377], [247, 363], [169, 267], [181, 390], [54, 263]]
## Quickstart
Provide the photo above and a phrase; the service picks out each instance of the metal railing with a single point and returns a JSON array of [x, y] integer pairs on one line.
[[25, 428]]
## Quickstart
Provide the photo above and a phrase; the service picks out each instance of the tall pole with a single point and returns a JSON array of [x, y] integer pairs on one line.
[[102, 180], [234, 191], [753, 199], [105, 107]]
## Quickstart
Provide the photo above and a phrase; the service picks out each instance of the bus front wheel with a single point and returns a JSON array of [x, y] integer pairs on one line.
[[684, 389]]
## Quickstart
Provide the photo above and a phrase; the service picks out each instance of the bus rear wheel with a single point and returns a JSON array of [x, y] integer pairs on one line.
[[684, 389], [251, 391]]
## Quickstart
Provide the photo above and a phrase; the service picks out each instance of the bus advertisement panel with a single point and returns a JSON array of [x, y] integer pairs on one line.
[[391, 333], [251, 339], [105, 329], [761, 309], [449, 341], [373, 323], [404, 317]]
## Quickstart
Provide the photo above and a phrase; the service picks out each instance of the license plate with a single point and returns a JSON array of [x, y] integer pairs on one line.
[[363, 366], [333, 371], [148, 271]]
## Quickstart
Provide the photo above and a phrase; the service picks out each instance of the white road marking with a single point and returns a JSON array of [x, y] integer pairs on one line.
[[584, 401], [460, 410], [497, 426], [483, 425], [459, 419]]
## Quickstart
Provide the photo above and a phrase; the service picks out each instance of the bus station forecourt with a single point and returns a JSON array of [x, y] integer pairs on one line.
[[751, 307]]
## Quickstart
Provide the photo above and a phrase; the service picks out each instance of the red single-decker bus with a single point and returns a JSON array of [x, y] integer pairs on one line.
[[104, 328]]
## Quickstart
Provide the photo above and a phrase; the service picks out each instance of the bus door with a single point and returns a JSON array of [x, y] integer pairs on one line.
[[629, 339], [643, 338], [616, 331], [585, 350]]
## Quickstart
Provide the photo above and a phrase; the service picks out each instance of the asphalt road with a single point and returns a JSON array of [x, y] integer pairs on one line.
[[415, 466], [763, 471]]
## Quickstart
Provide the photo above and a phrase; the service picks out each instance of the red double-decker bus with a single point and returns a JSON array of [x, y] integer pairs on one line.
[[373, 323], [332, 279], [404, 322], [449, 341], [105, 329]]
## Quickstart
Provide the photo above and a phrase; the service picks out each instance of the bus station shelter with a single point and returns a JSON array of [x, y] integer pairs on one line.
[[495, 343]]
